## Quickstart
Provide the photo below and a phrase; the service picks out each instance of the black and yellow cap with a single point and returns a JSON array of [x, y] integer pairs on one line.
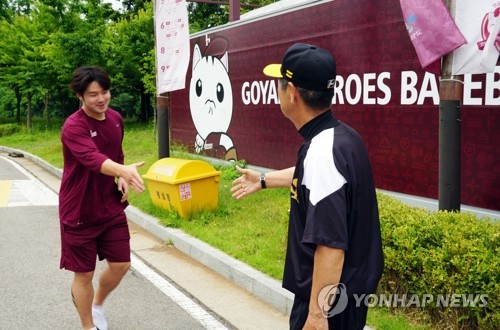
[[307, 66]]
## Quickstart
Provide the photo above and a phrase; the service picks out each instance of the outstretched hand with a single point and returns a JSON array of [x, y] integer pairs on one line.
[[133, 178], [246, 184], [315, 323]]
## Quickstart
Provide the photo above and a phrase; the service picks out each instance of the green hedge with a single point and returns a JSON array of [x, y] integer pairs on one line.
[[442, 253], [9, 129]]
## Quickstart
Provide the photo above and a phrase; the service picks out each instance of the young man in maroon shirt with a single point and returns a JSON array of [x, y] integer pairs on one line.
[[93, 195]]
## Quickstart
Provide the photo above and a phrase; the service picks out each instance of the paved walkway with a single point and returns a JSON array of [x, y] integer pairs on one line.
[[23, 189]]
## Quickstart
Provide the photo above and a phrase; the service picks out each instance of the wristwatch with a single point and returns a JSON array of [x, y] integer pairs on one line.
[[263, 180]]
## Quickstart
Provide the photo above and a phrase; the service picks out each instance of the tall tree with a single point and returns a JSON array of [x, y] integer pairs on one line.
[[134, 6], [18, 60], [21, 7], [130, 41], [10, 52], [205, 15], [79, 40], [5, 10]]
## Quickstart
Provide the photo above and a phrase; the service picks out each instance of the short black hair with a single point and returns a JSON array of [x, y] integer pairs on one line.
[[85, 75], [318, 100]]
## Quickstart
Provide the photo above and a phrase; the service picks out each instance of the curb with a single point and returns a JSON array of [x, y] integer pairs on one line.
[[246, 277]]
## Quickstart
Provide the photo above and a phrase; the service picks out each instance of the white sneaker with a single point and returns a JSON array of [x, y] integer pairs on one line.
[[98, 318]]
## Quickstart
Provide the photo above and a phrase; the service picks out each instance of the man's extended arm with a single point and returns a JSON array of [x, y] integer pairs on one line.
[[249, 181], [328, 264], [128, 173]]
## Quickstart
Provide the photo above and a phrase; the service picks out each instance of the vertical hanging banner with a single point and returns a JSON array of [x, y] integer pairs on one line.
[[431, 29], [479, 23], [172, 44]]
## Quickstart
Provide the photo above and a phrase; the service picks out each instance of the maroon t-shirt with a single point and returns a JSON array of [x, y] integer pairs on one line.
[[86, 195]]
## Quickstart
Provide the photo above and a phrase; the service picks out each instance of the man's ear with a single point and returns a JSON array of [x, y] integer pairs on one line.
[[293, 92]]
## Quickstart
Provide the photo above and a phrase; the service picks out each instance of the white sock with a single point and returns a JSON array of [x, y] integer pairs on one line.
[[98, 317], [98, 308]]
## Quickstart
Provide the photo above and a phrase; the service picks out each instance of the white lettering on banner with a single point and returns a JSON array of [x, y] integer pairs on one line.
[[368, 88], [429, 89], [384, 88], [259, 92], [353, 79], [469, 86], [408, 90], [338, 97], [363, 87], [491, 85], [410, 94], [374, 89]]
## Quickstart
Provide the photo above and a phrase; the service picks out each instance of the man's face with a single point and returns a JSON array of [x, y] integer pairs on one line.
[[95, 101]]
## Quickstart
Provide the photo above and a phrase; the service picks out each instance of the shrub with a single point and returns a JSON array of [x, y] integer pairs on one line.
[[442, 253], [8, 129]]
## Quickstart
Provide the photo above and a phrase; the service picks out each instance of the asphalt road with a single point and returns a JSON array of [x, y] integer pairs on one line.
[[163, 290]]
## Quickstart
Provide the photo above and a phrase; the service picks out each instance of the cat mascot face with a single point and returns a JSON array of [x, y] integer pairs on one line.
[[210, 93]]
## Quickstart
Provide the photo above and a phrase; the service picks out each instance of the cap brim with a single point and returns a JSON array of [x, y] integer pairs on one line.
[[273, 70]]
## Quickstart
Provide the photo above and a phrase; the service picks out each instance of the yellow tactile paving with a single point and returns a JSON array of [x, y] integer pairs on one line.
[[5, 188]]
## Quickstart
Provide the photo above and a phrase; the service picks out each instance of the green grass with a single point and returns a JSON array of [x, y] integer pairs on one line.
[[385, 319], [252, 230]]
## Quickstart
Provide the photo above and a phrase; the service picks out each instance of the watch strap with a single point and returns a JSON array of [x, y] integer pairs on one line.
[[263, 180]]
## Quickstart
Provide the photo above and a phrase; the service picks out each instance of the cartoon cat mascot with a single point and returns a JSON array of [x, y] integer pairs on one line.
[[211, 101]]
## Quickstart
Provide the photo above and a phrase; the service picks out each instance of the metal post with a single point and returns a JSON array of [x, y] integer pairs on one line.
[[449, 155], [163, 109], [234, 10], [450, 95]]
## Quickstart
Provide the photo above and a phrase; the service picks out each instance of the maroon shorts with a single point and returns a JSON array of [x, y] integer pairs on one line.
[[109, 240]]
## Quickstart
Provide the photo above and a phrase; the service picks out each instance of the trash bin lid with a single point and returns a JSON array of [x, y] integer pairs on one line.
[[176, 170]]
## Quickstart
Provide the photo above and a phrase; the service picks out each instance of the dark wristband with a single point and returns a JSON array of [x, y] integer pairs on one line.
[[263, 180]]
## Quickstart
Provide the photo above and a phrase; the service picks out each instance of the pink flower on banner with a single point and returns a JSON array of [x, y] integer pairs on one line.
[[431, 29]]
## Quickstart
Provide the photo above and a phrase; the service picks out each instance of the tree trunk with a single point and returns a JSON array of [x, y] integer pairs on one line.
[[18, 104], [46, 109], [146, 108], [29, 123]]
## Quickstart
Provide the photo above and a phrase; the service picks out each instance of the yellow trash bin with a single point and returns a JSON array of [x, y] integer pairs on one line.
[[182, 185]]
